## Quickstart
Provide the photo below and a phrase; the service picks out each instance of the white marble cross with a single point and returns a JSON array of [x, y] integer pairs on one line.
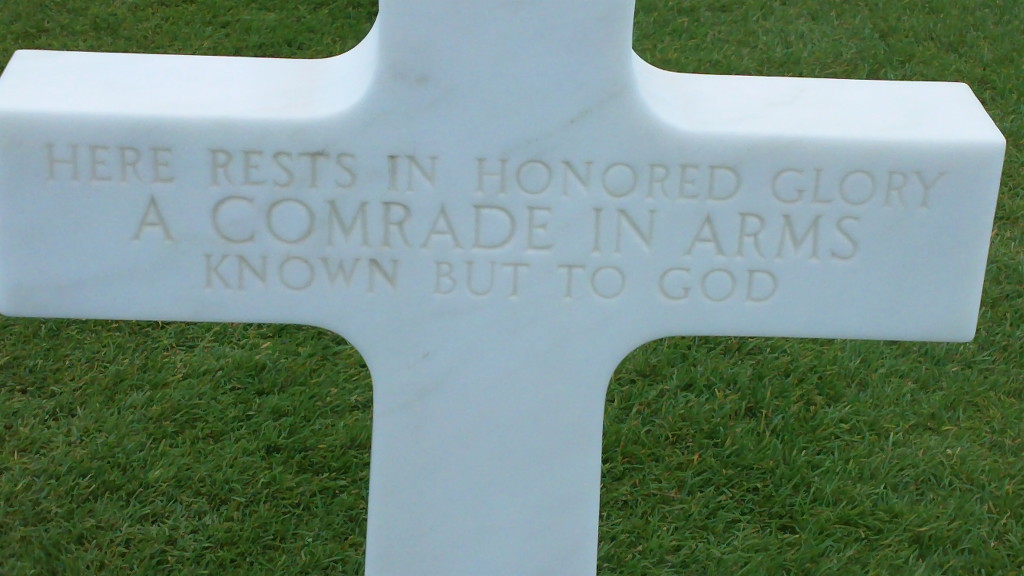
[[494, 202]]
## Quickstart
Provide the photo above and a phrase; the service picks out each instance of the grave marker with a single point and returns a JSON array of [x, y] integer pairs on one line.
[[494, 202]]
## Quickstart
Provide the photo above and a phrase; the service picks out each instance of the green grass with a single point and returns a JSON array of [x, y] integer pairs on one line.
[[233, 449]]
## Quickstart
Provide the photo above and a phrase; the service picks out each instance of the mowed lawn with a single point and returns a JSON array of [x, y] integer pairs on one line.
[[157, 448]]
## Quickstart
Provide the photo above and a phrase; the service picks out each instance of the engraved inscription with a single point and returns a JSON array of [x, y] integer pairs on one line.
[[240, 272], [153, 222], [568, 229], [101, 163], [855, 188], [479, 279], [617, 180], [281, 169]]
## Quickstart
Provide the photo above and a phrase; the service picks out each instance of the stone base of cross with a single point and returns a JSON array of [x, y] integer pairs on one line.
[[495, 202]]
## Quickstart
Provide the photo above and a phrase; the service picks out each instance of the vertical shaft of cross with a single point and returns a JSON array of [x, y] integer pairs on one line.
[[569, 44], [484, 467]]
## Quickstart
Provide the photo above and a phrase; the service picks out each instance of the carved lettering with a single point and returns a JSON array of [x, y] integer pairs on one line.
[[719, 285], [290, 221], [844, 228], [130, 159], [858, 188], [534, 177], [751, 228], [487, 173], [68, 159], [495, 227], [153, 218], [162, 169], [415, 170], [229, 217], [623, 225], [855, 188], [707, 236], [614, 180], [927, 186], [336, 220], [242, 272], [280, 169], [214, 277], [796, 240], [99, 167], [725, 183], [219, 272], [619, 180], [480, 279], [638, 211], [97, 164], [297, 274], [443, 228], [396, 217], [604, 283], [580, 178], [537, 220]]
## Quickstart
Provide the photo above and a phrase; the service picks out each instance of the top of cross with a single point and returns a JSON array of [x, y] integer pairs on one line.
[[585, 41]]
